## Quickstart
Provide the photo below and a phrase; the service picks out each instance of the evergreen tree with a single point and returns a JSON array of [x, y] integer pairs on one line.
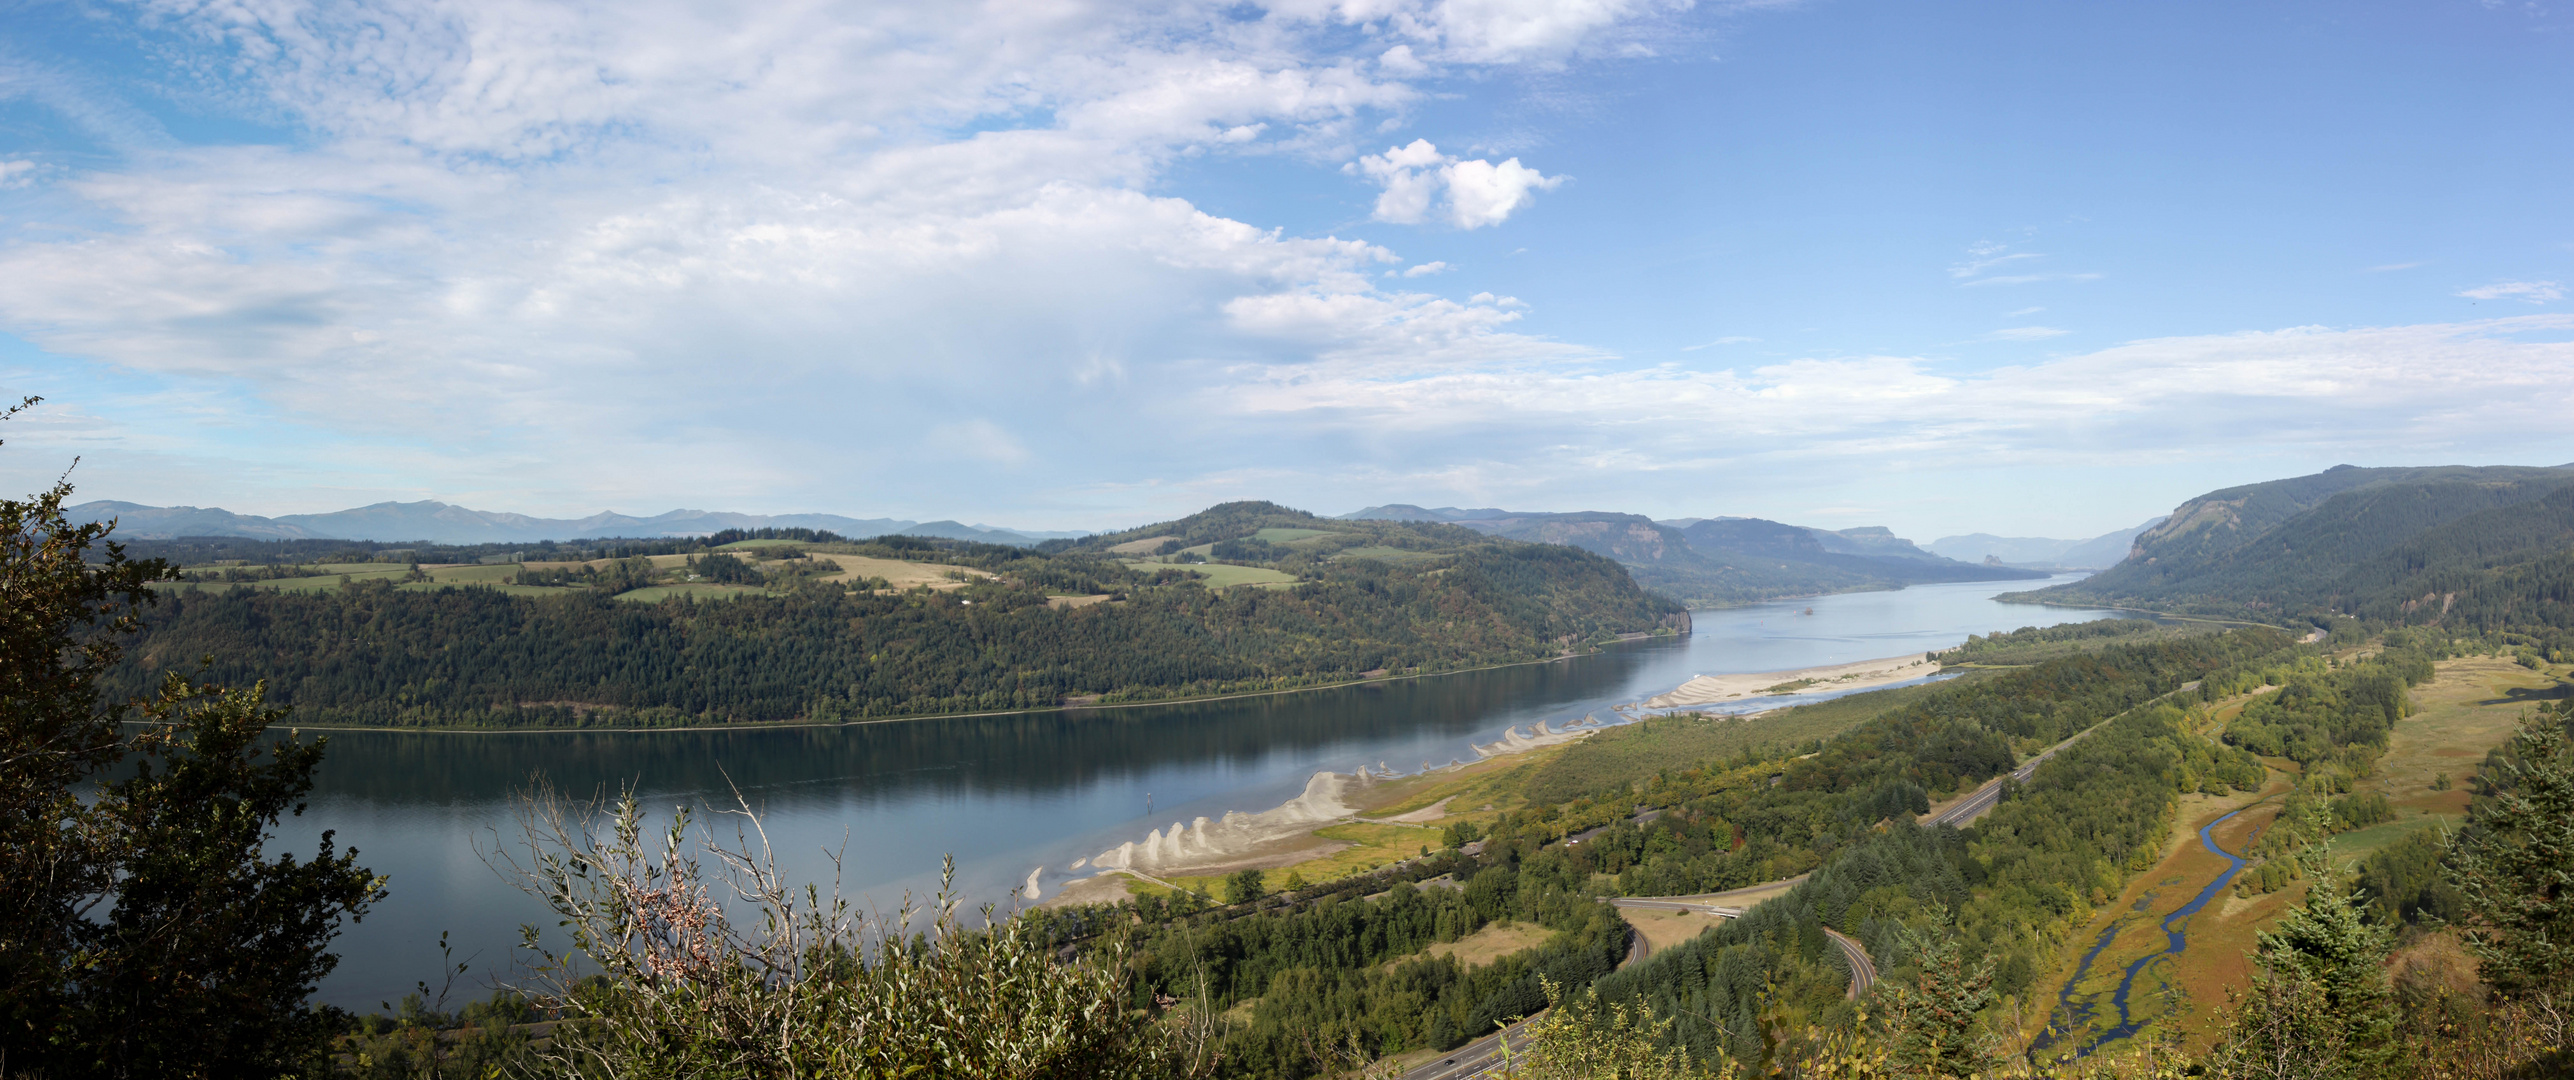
[[2514, 864], [2321, 1007], [1935, 1022]]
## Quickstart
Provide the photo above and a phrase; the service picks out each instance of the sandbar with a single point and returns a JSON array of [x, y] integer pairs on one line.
[[1861, 675]]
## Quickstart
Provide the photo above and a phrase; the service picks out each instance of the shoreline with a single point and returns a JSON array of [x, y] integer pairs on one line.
[[767, 725]]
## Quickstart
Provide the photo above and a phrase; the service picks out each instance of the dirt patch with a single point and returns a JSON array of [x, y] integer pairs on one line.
[[1432, 812], [1494, 941], [1664, 929]]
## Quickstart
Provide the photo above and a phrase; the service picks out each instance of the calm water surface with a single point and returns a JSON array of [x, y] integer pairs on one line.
[[1006, 795]]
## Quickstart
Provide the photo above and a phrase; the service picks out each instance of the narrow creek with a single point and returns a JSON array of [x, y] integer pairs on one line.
[[2073, 1019]]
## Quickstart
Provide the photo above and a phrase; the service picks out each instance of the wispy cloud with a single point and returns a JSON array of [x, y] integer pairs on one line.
[[2025, 333], [2027, 279], [2389, 268], [2533, 292], [1719, 341], [920, 218], [2022, 313]]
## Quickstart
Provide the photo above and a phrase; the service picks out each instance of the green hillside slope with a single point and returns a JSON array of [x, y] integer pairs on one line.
[[1357, 598], [2367, 542]]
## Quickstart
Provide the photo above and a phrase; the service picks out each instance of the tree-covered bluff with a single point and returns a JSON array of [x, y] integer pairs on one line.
[[1374, 597], [2476, 549]]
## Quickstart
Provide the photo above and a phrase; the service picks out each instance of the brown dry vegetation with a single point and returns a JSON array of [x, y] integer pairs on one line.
[[2468, 707]]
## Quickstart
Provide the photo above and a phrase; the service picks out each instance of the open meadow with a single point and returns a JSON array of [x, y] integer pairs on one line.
[[2470, 706]]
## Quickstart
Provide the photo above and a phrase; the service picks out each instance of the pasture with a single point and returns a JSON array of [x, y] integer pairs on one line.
[[901, 574], [1223, 575]]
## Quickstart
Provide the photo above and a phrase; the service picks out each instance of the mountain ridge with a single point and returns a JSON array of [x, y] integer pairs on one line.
[[439, 522]]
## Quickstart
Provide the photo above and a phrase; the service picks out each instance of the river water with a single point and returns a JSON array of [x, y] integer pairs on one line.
[[1010, 794]]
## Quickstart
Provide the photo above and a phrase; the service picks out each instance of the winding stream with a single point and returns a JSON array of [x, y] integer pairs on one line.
[[2076, 1016]]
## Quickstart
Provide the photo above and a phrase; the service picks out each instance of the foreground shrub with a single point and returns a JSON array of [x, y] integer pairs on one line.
[[662, 982]]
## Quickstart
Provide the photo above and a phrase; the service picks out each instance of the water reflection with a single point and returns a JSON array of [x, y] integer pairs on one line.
[[1006, 794]]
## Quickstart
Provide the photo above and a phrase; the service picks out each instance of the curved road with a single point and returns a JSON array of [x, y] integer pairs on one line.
[[1981, 801], [1483, 1057]]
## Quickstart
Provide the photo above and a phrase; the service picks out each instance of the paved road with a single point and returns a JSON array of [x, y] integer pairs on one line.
[[1863, 972], [1982, 800], [1483, 1056]]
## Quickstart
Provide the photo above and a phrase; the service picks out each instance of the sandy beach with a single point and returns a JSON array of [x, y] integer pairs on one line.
[[1862, 675]]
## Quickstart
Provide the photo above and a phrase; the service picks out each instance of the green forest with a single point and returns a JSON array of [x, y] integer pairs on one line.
[[2472, 549], [1377, 597]]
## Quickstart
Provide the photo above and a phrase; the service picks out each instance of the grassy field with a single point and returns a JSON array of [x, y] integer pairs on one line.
[[899, 573], [1494, 941], [744, 545], [1225, 575], [1368, 845], [2470, 706]]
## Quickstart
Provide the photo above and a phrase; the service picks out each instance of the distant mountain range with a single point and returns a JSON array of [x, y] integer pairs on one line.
[[1724, 560], [2482, 547], [2100, 551], [443, 523]]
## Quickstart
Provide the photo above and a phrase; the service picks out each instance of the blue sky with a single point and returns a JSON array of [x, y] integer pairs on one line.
[[2026, 268]]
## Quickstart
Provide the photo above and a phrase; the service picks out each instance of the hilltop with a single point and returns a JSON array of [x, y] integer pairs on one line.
[[2455, 545]]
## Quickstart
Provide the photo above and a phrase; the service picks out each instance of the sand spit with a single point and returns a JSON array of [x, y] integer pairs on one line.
[[1285, 834], [1239, 835], [1865, 674], [1512, 742]]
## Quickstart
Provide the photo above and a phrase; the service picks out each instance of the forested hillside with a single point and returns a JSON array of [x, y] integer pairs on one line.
[[560, 649], [1720, 562], [2474, 548]]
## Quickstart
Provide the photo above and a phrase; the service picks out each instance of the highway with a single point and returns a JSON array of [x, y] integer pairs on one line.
[[1982, 800], [1482, 1057]]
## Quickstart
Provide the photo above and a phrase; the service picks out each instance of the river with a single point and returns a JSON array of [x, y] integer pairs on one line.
[[1009, 794]]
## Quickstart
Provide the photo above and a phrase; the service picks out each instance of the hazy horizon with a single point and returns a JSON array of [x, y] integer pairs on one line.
[[2012, 268]]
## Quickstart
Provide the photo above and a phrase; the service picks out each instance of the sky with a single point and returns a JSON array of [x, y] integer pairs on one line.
[[2035, 269]]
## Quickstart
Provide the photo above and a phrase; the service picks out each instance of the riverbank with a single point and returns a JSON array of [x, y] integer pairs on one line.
[[1340, 825], [1858, 675]]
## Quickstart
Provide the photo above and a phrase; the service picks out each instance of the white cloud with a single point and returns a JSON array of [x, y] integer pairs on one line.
[[546, 231], [2025, 333], [2022, 313], [2392, 267], [2370, 391], [2533, 292], [1479, 193], [1737, 340], [2026, 279]]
